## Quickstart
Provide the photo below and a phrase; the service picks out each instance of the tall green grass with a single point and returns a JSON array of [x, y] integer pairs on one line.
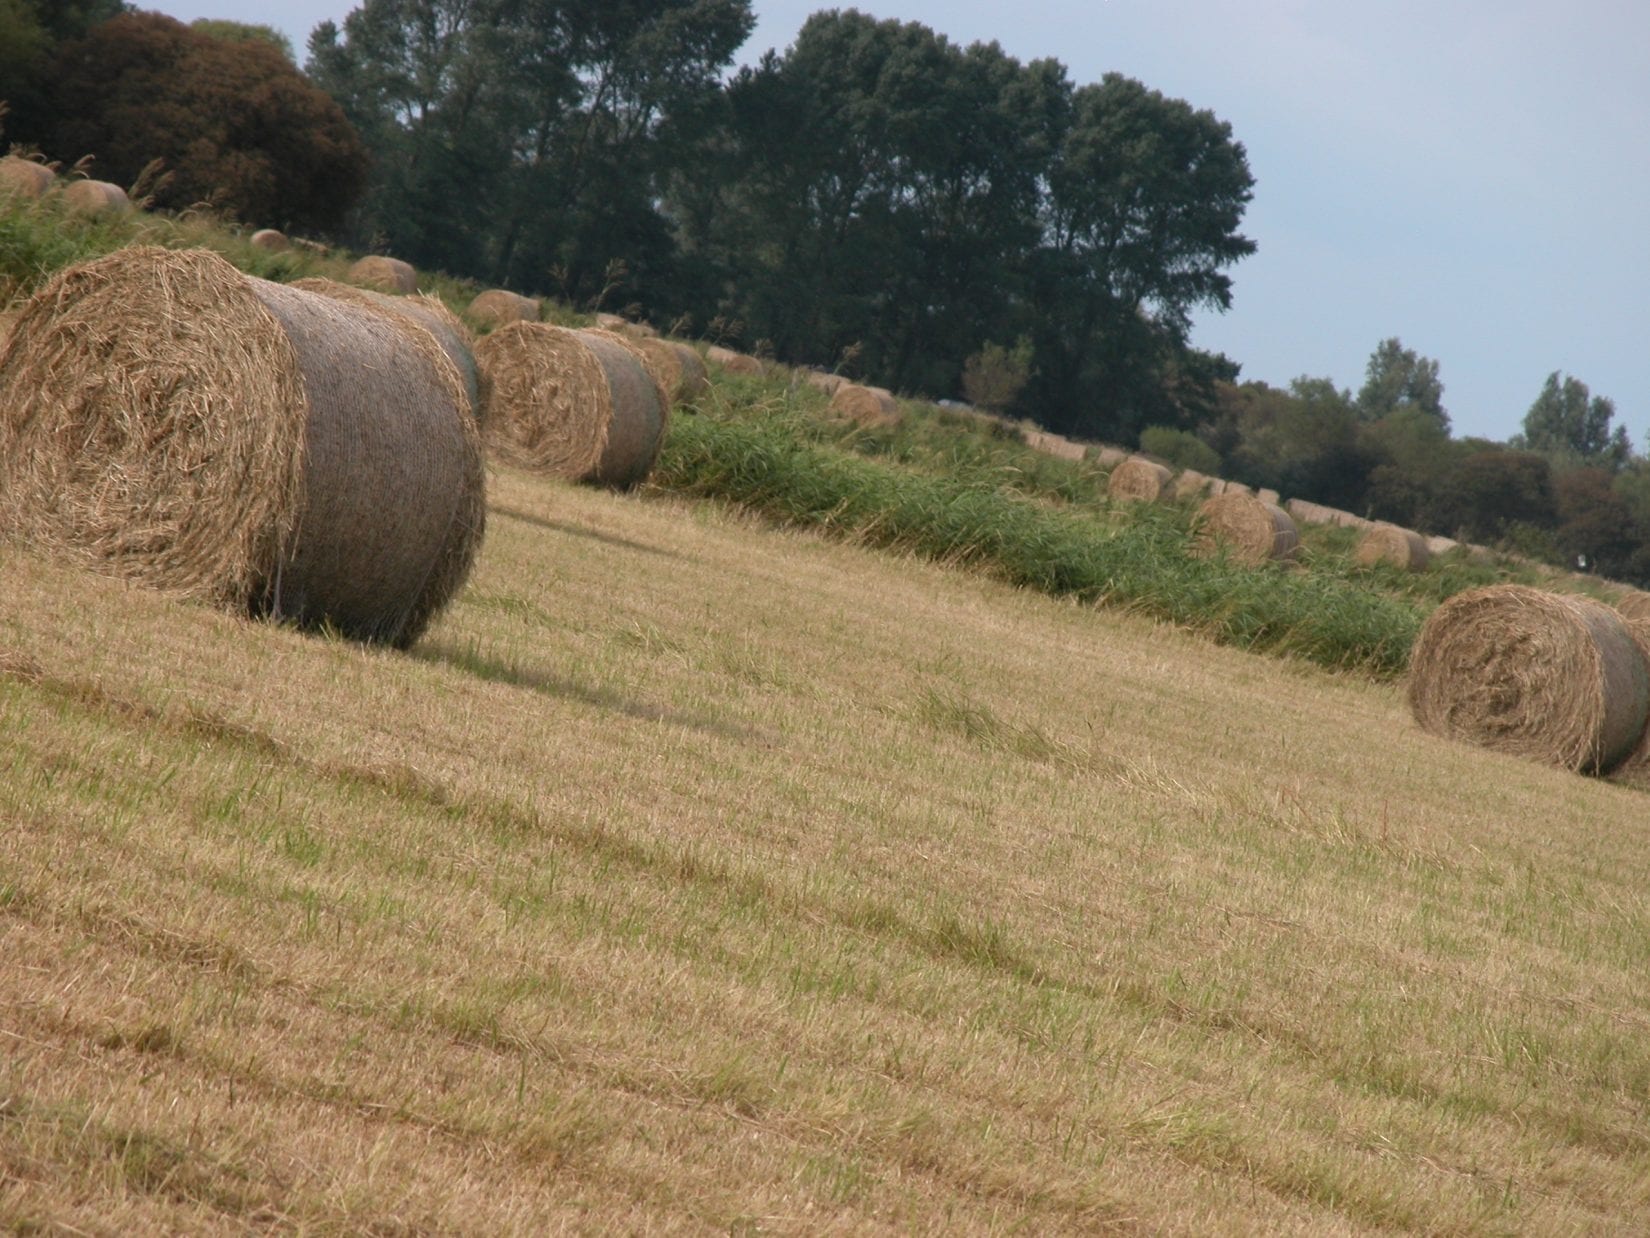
[[1143, 564]]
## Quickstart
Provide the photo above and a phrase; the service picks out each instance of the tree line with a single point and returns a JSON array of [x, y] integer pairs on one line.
[[946, 220]]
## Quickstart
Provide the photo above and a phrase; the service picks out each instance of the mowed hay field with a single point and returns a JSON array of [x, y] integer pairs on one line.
[[688, 876]]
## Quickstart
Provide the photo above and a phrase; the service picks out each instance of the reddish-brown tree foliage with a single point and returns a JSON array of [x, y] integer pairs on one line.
[[236, 124]]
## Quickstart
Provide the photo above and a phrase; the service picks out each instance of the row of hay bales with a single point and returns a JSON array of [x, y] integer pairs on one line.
[[860, 403], [28, 179], [1549, 677], [310, 452]]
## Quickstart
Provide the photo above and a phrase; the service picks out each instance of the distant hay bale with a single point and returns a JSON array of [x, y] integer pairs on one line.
[[1139, 480], [1110, 457], [869, 406], [1545, 676], [1250, 529], [680, 370], [1634, 606], [384, 274], [271, 239], [171, 421], [610, 322], [94, 198], [424, 312], [1053, 445], [1387, 543], [1317, 513], [828, 383], [1191, 484], [498, 306], [1269, 496], [571, 404], [1237, 487], [732, 362], [25, 178], [1441, 545]]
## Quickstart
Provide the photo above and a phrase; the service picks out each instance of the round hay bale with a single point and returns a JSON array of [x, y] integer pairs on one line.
[[1441, 545], [499, 306], [384, 274], [870, 406], [732, 362], [610, 322], [1550, 677], [1250, 529], [659, 369], [830, 384], [1139, 480], [1634, 606], [25, 178], [1191, 484], [263, 448], [1110, 457], [679, 370], [428, 315], [1387, 543], [94, 198], [572, 404], [271, 239]]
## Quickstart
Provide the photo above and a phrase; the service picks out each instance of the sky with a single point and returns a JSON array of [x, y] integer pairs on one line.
[[1470, 176]]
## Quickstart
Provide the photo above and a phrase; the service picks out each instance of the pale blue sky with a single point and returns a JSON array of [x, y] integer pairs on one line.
[[1472, 176]]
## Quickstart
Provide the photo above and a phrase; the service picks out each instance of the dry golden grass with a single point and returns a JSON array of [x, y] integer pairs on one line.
[[691, 877]]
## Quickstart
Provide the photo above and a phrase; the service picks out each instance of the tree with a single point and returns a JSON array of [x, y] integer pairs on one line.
[[30, 33], [240, 32], [993, 377], [1594, 522], [1492, 489], [1397, 378], [235, 123], [1570, 424], [1145, 196], [1303, 442]]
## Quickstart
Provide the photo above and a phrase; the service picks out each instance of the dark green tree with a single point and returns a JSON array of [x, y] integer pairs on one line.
[[1398, 378], [1570, 424]]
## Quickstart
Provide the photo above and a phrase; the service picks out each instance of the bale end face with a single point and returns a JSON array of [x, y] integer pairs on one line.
[[271, 239], [24, 178], [1547, 677], [96, 198], [869, 406]]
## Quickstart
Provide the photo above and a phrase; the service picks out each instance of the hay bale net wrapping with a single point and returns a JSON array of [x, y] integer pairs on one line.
[[499, 306], [866, 405], [1250, 529], [572, 404], [1138, 480], [169, 420], [1544, 676], [95, 198], [384, 274], [1388, 543], [427, 316], [25, 178]]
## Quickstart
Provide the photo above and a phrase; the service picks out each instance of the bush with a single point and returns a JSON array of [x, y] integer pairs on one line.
[[1181, 448]]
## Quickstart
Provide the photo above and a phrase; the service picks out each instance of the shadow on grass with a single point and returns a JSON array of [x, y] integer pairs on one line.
[[562, 688], [561, 526]]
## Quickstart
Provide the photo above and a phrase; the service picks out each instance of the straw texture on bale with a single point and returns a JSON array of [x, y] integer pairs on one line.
[[1191, 484], [732, 362], [830, 384], [25, 178], [572, 404], [385, 274], [1053, 445], [1387, 543], [429, 319], [1317, 513], [498, 306], [95, 198], [171, 421], [679, 370], [1269, 496], [1634, 606], [1250, 529], [1139, 480], [1549, 677], [871, 406], [271, 239]]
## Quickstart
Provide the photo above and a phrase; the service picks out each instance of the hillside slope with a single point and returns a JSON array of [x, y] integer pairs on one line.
[[693, 876]]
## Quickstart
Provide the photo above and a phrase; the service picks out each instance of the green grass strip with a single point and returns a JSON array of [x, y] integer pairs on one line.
[[1143, 565]]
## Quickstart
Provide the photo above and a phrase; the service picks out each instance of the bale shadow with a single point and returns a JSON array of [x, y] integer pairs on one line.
[[563, 688], [560, 526]]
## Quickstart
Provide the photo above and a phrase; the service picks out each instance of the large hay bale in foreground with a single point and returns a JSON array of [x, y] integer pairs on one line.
[[1139, 480], [384, 274], [271, 239], [499, 306], [94, 198], [25, 178], [869, 406], [266, 449], [1387, 543], [1550, 677], [1250, 529], [424, 313], [571, 404]]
